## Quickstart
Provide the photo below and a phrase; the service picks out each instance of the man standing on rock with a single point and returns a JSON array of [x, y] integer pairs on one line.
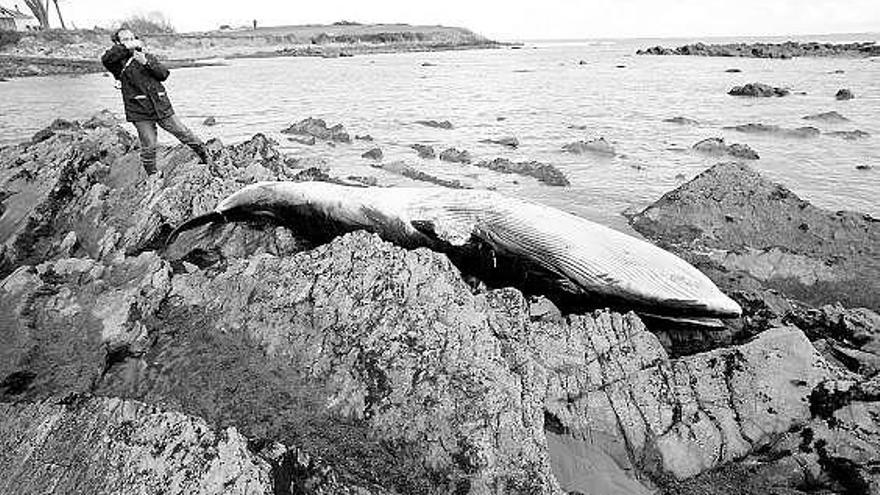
[[145, 98]]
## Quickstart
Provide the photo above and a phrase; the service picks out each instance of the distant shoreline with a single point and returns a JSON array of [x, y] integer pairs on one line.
[[56, 52]]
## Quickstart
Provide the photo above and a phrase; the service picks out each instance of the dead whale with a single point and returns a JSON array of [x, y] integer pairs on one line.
[[498, 237]]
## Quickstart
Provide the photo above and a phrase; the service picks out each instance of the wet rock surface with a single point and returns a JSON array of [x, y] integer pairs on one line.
[[717, 147], [545, 173], [318, 129], [245, 359], [758, 90]]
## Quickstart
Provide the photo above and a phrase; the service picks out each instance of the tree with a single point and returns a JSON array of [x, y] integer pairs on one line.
[[41, 12]]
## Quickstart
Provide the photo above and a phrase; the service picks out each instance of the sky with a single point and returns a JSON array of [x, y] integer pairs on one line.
[[508, 19]]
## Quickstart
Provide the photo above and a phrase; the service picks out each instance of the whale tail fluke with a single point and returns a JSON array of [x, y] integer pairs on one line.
[[193, 223]]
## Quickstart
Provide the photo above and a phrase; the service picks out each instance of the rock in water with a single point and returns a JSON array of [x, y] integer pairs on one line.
[[599, 146], [510, 142], [800, 132], [444, 124], [424, 150], [210, 121], [681, 120], [844, 94], [545, 173], [373, 154], [317, 128], [455, 156], [758, 89], [717, 147], [829, 117], [850, 135]]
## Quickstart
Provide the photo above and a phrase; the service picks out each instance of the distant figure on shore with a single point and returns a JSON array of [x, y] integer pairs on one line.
[[145, 98], [255, 24]]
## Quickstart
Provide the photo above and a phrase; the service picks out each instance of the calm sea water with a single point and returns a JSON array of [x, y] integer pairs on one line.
[[536, 94]]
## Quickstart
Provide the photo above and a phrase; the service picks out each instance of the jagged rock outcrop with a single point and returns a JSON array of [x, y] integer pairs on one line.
[[758, 90], [544, 172], [89, 181], [318, 129], [717, 147], [356, 326]]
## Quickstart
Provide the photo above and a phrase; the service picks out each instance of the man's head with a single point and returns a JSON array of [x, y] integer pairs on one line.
[[122, 36]]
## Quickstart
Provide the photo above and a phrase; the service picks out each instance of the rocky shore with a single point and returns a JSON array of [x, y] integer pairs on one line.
[[789, 49], [79, 51], [246, 359]]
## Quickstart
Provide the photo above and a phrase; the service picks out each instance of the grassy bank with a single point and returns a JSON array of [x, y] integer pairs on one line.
[[52, 51]]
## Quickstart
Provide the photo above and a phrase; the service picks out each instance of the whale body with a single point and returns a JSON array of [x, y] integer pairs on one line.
[[504, 236]]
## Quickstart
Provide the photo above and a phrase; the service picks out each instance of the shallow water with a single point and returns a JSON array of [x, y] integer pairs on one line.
[[538, 91]]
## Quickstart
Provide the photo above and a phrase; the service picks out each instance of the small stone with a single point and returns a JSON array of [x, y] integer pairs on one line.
[[373, 154]]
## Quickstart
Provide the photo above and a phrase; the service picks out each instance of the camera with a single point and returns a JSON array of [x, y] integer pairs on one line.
[[135, 44]]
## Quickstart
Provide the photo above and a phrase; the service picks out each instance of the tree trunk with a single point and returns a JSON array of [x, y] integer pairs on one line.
[[39, 11], [58, 9]]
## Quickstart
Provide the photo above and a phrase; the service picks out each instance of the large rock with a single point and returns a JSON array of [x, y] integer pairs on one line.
[[748, 224]]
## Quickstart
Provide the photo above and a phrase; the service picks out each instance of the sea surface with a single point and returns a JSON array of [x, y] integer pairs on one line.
[[542, 95]]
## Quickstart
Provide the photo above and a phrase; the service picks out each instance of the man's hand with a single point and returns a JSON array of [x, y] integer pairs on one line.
[[140, 57]]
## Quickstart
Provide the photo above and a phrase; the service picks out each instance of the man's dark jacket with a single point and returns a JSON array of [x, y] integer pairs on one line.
[[143, 94]]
